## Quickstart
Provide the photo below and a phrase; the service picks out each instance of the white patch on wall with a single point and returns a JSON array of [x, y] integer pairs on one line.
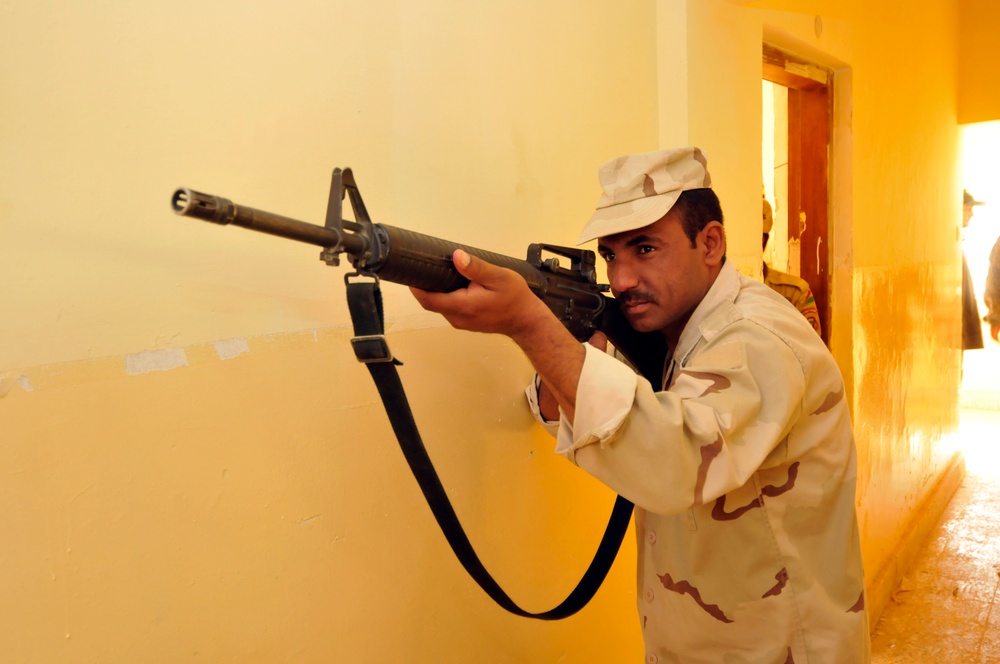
[[155, 360], [230, 348], [9, 379]]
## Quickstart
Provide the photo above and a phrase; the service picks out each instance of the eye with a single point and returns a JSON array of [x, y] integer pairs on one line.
[[645, 249], [608, 256]]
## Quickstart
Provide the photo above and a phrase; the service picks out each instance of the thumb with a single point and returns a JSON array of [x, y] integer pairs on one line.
[[599, 340], [474, 268]]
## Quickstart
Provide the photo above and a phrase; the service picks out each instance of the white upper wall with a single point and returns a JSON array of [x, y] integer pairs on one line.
[[483, 123]]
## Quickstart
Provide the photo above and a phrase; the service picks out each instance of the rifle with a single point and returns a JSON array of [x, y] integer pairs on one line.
[[397, 255]]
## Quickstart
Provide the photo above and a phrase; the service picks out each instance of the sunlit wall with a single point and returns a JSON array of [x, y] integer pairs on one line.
[[979, 76]]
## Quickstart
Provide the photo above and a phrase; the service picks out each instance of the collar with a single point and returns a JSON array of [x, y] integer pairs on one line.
[[723, 290]]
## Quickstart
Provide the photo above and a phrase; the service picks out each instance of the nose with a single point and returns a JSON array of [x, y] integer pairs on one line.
[[621, 276]]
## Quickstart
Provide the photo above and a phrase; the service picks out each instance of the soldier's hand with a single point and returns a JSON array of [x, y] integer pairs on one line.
[[496, 300]]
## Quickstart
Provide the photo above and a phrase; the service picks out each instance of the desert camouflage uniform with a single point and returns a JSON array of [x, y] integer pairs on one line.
[[796, 291], [743, 475]]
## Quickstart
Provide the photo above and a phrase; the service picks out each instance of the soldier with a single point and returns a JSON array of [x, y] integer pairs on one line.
[[972, 330], [992, 293], [740, 462], [790, 287]]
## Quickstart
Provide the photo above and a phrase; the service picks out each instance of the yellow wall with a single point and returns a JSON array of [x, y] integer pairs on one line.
[[193, 461], [978, 75], [256, 508]]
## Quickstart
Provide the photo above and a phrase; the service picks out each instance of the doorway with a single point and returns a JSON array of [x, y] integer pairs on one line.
[[981, 177], [798, 104]]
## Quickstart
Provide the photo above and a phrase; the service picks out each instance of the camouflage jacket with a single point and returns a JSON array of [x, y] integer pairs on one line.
[[797, 291], [742, 468]]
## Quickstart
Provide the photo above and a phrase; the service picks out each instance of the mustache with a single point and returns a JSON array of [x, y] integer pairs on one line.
[[634, 295]]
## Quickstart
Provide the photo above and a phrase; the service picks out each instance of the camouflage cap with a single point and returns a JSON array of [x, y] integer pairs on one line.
[[639, 189], [969, 199]]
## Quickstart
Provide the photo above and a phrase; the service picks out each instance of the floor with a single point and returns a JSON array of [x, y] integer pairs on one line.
[[947, 609]]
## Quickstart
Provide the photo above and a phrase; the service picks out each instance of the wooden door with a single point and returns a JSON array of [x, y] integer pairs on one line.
[[809, 132]]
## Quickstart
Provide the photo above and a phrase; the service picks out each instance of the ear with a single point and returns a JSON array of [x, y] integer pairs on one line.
[[714, 237]]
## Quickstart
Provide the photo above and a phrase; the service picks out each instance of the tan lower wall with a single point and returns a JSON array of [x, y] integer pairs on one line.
[[257, 508]]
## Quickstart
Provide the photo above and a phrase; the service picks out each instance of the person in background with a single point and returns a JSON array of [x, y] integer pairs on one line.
[[790, 287], [991, 294], [972, 330], [740, 459]]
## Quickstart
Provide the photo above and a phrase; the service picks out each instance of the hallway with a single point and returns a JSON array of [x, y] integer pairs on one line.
[[946, 610]]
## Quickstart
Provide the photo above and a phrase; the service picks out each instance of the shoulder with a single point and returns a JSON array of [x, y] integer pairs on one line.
[[760, 311], [778, 278], [995, 253], [768, 308], [775, 342]]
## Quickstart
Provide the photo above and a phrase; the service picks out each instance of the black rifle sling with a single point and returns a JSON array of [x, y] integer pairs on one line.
[[365, 302]]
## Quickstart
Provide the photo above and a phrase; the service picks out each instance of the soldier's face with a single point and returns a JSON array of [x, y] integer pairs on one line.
[[656, 275]]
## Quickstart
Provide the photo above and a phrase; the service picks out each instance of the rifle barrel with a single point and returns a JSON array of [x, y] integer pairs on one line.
[[218, 210]]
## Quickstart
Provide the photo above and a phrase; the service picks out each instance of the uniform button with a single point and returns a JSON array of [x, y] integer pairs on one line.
[[652, 658], [651, 537], [649, 594]]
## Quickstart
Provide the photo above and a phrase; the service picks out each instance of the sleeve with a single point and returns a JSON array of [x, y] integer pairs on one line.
[[604, 397], [807, 306], [724, 414], [531, 392], [991, 294]]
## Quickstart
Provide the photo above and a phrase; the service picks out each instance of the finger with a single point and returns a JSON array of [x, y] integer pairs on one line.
[[429, 300], [419, 294]]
